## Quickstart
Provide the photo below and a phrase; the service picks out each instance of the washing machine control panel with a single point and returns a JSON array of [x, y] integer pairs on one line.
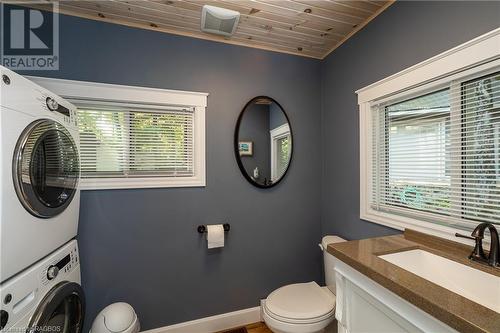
[[21, 295], [52, 272], [60, 266]]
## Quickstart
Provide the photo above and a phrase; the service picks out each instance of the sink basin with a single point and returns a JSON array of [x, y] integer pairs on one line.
[[476, 285]]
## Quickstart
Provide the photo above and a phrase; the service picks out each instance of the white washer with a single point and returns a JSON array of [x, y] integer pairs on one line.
[[39, 173], [47, 297]]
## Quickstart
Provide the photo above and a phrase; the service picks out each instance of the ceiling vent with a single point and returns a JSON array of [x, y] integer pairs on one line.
[[219, 21]]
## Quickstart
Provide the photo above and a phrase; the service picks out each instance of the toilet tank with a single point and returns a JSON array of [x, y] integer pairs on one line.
[[329, 261]]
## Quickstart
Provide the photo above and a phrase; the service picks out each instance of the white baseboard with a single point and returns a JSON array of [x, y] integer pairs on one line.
[[212, 324]]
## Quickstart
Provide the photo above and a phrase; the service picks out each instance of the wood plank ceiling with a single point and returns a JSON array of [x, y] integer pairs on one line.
[[311, 28]]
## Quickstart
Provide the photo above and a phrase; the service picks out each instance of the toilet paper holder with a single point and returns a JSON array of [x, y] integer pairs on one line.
[[203, 228]]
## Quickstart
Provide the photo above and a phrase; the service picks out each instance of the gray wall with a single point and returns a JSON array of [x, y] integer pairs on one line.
[[276, 116], [405, 34], [141, 246], [254, 127]]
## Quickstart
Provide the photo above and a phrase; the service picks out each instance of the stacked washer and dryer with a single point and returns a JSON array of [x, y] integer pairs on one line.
[[39, 205]]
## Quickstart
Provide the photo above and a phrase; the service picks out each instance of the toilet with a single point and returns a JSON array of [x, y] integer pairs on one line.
[[303, 307]]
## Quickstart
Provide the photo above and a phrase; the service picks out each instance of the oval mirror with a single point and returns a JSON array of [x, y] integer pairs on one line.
[[263, 142]]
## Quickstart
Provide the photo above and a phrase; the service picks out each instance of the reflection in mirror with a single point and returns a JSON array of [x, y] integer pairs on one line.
[[263, 142]]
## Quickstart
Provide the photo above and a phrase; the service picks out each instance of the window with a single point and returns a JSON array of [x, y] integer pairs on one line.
[[123, 142], [436, 162], [430, 148], [132, 137], [280, 150], [411, 150]]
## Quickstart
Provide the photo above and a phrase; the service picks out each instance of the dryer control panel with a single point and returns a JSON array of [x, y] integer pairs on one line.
[[22, 95], [64, 113]]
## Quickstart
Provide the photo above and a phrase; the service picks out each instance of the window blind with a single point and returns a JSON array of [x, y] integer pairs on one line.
[[436, 157], [120, 141], [283, 158]]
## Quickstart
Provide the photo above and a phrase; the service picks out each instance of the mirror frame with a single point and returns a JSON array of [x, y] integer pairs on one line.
[[236, 141]]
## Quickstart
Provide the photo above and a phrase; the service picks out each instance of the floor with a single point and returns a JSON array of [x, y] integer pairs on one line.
[[258, 328], [252, 328], [262, 328]]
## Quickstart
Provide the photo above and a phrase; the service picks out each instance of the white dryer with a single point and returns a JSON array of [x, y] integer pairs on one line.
[[39, 173], [47, 297]]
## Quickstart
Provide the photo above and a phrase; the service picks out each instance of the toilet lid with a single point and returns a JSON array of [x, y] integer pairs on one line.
[[300, 301]]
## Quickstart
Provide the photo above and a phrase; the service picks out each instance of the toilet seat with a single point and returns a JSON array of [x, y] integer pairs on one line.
[[299, 321], [300, 303]]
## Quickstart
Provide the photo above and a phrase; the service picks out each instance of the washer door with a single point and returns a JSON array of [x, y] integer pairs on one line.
[[62, 310], [46, 168]]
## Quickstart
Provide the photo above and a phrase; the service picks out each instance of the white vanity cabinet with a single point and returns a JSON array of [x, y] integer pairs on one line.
[[365, 306]]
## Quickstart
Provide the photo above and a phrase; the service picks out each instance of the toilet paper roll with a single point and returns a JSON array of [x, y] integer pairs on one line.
[[215, 236]]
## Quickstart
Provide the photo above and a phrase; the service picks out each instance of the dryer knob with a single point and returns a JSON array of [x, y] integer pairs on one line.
[[4, 318], [52, 272], [52, 104]]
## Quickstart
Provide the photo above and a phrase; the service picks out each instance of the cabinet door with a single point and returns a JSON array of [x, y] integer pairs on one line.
[[366, 314], [364, 306]]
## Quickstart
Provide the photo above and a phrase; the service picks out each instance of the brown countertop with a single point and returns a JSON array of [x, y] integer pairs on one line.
[[452, 309]]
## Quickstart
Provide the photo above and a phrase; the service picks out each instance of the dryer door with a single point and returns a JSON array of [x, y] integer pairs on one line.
[[46, 168], [62, 310]]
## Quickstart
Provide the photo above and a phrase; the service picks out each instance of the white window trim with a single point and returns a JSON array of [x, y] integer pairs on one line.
[[479, 54], [101, 92], [276, 134]]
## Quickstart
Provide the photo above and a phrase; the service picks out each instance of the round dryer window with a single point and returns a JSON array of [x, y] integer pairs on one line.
[[46, 168], [62, 310]]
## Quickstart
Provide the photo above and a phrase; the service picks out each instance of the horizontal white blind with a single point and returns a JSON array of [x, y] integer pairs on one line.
[[283, 158], [436, 157], [134, 142]]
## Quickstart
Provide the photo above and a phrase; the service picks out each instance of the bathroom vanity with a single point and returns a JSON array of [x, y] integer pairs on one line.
[[384, 285]]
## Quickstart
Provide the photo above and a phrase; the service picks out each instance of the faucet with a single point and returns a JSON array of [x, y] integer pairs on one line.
[[478, 252]]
